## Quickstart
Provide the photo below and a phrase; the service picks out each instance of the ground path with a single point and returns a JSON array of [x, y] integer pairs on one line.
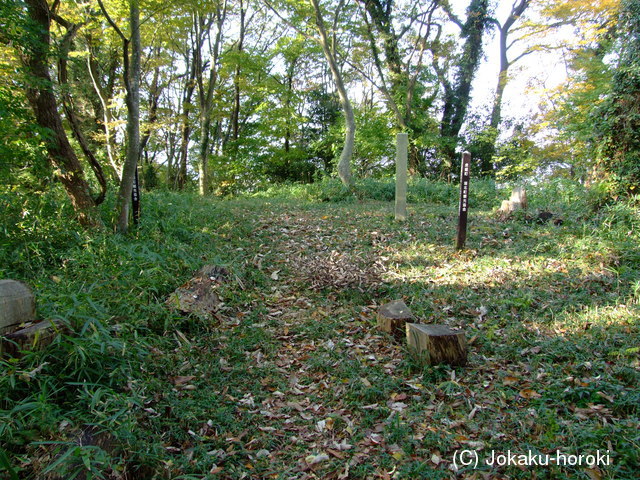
[[293, 380]]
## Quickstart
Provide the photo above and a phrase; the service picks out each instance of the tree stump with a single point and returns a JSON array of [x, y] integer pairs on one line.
[[392, 318], [437, 344], [198, 296], [17, 305], [519, 196], [32, 337], [518, 200]]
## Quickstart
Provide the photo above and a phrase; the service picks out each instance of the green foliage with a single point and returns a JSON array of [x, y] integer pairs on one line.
[[36, 231], [560, 195], [618, 117], [374, 149], [598, 118], [118, 371], [458, 93], [22, 155], [482, 193]]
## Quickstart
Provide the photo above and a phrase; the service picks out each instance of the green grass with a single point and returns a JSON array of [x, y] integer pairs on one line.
[[293, 366]]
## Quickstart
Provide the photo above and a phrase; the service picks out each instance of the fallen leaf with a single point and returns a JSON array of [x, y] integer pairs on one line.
[[315, 459], [296, 405], [607, 397], [342, 446], [336, 453], [181, 380], [510, 380], [397, 406], [593, 473], [529, 393]]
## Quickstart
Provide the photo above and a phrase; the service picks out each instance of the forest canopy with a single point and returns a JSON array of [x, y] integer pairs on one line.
[[229, 96]]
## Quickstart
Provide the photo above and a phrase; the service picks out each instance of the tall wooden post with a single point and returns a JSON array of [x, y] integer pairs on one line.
[[464, 200], [402, 146]]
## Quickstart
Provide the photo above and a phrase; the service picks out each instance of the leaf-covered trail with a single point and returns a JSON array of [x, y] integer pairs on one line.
[[296, 382]]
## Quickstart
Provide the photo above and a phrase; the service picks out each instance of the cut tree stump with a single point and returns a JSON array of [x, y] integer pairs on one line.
[[33, 337], [393, 316], [518, 200], [17, 305], [437, 344], [198, 295]]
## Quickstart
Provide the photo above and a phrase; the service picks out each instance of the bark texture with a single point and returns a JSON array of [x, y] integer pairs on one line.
[[43, 102]]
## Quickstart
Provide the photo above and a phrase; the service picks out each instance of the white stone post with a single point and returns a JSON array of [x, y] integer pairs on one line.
[[402, 146]]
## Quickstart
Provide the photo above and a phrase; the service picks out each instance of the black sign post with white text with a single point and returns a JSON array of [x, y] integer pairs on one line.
[[135, 198], [465, 169]]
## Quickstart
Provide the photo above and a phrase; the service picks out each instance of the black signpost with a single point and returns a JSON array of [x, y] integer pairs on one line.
[[135, 198], [464, 200]]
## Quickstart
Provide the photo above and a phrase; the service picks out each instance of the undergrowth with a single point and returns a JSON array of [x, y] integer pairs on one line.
[[286, 371]]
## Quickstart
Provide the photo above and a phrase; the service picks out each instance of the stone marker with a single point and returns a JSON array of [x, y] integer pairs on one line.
[[17, 305], [33, 337], [392, 317], [437, 344], [402, 146]]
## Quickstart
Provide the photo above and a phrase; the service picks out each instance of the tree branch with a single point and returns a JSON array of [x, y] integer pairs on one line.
[[447, 9], [112, 23]]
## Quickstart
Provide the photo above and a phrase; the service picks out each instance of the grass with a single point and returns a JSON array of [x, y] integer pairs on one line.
[[290, 379]]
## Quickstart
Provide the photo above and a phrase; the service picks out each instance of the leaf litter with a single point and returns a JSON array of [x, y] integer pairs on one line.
[[337, 399]]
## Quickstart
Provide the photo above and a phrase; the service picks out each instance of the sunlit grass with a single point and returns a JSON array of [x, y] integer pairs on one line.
[[547, 309]]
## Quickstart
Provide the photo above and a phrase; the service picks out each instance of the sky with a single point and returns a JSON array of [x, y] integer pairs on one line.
[[528, 78]]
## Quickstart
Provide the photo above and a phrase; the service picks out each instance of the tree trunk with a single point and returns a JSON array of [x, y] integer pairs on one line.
[[105, 112], [43, 102], [437, 344], [393, 317], [185, 127], [503, 78], [344, 164], [400, 94], [17, 305], [205, 92], [287, 104], [132, 82], [235, 117], [458, 97], [154, 99], [496, 111], [72, 118]]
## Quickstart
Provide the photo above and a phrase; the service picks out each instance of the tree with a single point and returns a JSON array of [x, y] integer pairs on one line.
[[344, 164], [457, 94], [577, 114], [403, 53], [131, 76], [503, 31], [203, 25], [330, 49], [35, 56], [617, 125], [68, 106]]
